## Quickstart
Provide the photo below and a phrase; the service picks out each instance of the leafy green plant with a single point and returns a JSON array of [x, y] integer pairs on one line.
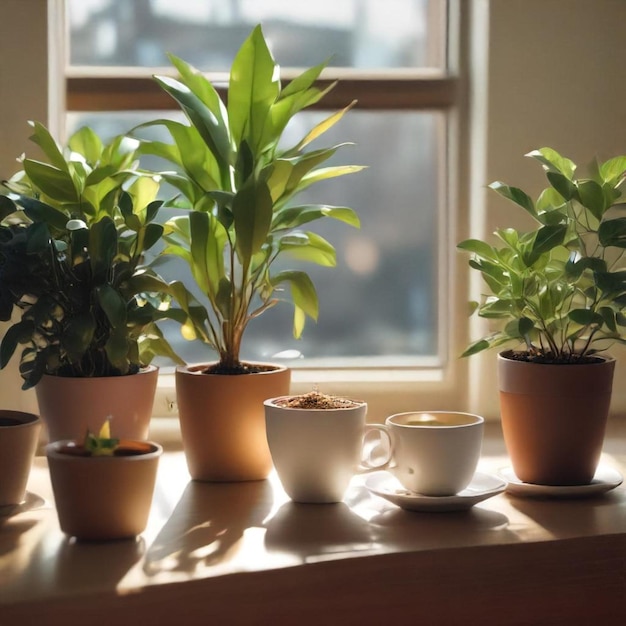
[[237, 182], [73, 235], [559, 290]]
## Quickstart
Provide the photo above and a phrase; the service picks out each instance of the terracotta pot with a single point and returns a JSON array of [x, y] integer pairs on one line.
[[222, 421], [71, 406], [554, 418], [19, 435], [103, 497], [316, 452]]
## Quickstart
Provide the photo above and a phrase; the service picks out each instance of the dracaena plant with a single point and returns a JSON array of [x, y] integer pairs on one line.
[[558, 291], [73, 233], [238, 182]]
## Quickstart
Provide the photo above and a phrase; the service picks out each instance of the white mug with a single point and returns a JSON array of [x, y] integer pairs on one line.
[[433, 453], [315, 452]]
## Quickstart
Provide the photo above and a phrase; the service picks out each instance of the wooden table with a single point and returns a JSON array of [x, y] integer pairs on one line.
[[243, 553]]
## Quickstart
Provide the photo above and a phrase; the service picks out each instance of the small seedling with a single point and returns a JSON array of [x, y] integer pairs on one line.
[[102, 444]]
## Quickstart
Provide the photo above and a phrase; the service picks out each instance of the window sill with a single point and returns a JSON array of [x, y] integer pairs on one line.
[[243, 553]]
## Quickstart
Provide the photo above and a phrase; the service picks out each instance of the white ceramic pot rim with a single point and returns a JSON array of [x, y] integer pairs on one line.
[[272, 402], [475, 419]]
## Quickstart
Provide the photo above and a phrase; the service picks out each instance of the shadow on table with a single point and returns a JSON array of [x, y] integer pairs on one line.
[[309, 531], [402, 529], [76, 563], [12, 525], [208, 521], [572, 517]]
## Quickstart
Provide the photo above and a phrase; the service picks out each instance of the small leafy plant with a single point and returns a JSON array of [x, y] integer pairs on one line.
[[74, 232], [101, 444], [558, 290], [237, 182]]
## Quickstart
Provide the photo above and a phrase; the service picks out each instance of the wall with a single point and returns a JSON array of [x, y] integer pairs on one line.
[[555, 78]]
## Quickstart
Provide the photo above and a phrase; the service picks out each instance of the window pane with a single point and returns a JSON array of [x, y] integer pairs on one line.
[[381, 299], [365, 34]]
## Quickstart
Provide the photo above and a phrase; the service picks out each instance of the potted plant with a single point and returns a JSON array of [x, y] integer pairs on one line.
[[237, 182], [19, 436], [74, 232], [315, 440], [559, 292], [103, 486]]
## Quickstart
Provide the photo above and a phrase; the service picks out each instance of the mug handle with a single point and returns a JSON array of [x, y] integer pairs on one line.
[[369, 460]]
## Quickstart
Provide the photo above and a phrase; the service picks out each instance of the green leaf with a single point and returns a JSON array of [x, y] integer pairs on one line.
[[563, 185], [586, 317], [42, 137], [15, 334], [52, 181], [477, 346], [309, 247], [613, 232], [519, 197], [303, 291], [613, 170], [611, 283], [253, 87], [85, 141], [153, 233], [550, 200], [293, 217], [201, 87], [102, 247], [203, 119], [592, 197], [113, 305], [548, 237], [252, 211], [479, 248], [143, 191], [323, 126], [78, 334], [553, 161]]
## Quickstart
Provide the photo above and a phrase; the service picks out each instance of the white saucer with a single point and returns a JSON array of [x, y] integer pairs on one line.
[[605, 479], [31, 501], [387, 486]]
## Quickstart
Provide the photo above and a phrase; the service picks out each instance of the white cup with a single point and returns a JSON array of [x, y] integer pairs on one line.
[[433, 453], [315, 451]]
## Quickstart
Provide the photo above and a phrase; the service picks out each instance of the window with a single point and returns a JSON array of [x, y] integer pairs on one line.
[[383, 303], [394, 345]]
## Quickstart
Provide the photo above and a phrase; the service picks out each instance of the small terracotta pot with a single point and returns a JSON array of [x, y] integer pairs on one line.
[[71, 406], [554, 418], [103, 497], [19, 435], [315, 451], [222, 421]]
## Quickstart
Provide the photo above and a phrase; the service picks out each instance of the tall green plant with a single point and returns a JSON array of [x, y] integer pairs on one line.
[[73, 234], [238, 183], [558, 290]]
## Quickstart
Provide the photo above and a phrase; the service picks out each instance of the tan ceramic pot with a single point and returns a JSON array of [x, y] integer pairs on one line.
[[222, 421], [103, 498], [554, 418], [71, 406], [19, 435]]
